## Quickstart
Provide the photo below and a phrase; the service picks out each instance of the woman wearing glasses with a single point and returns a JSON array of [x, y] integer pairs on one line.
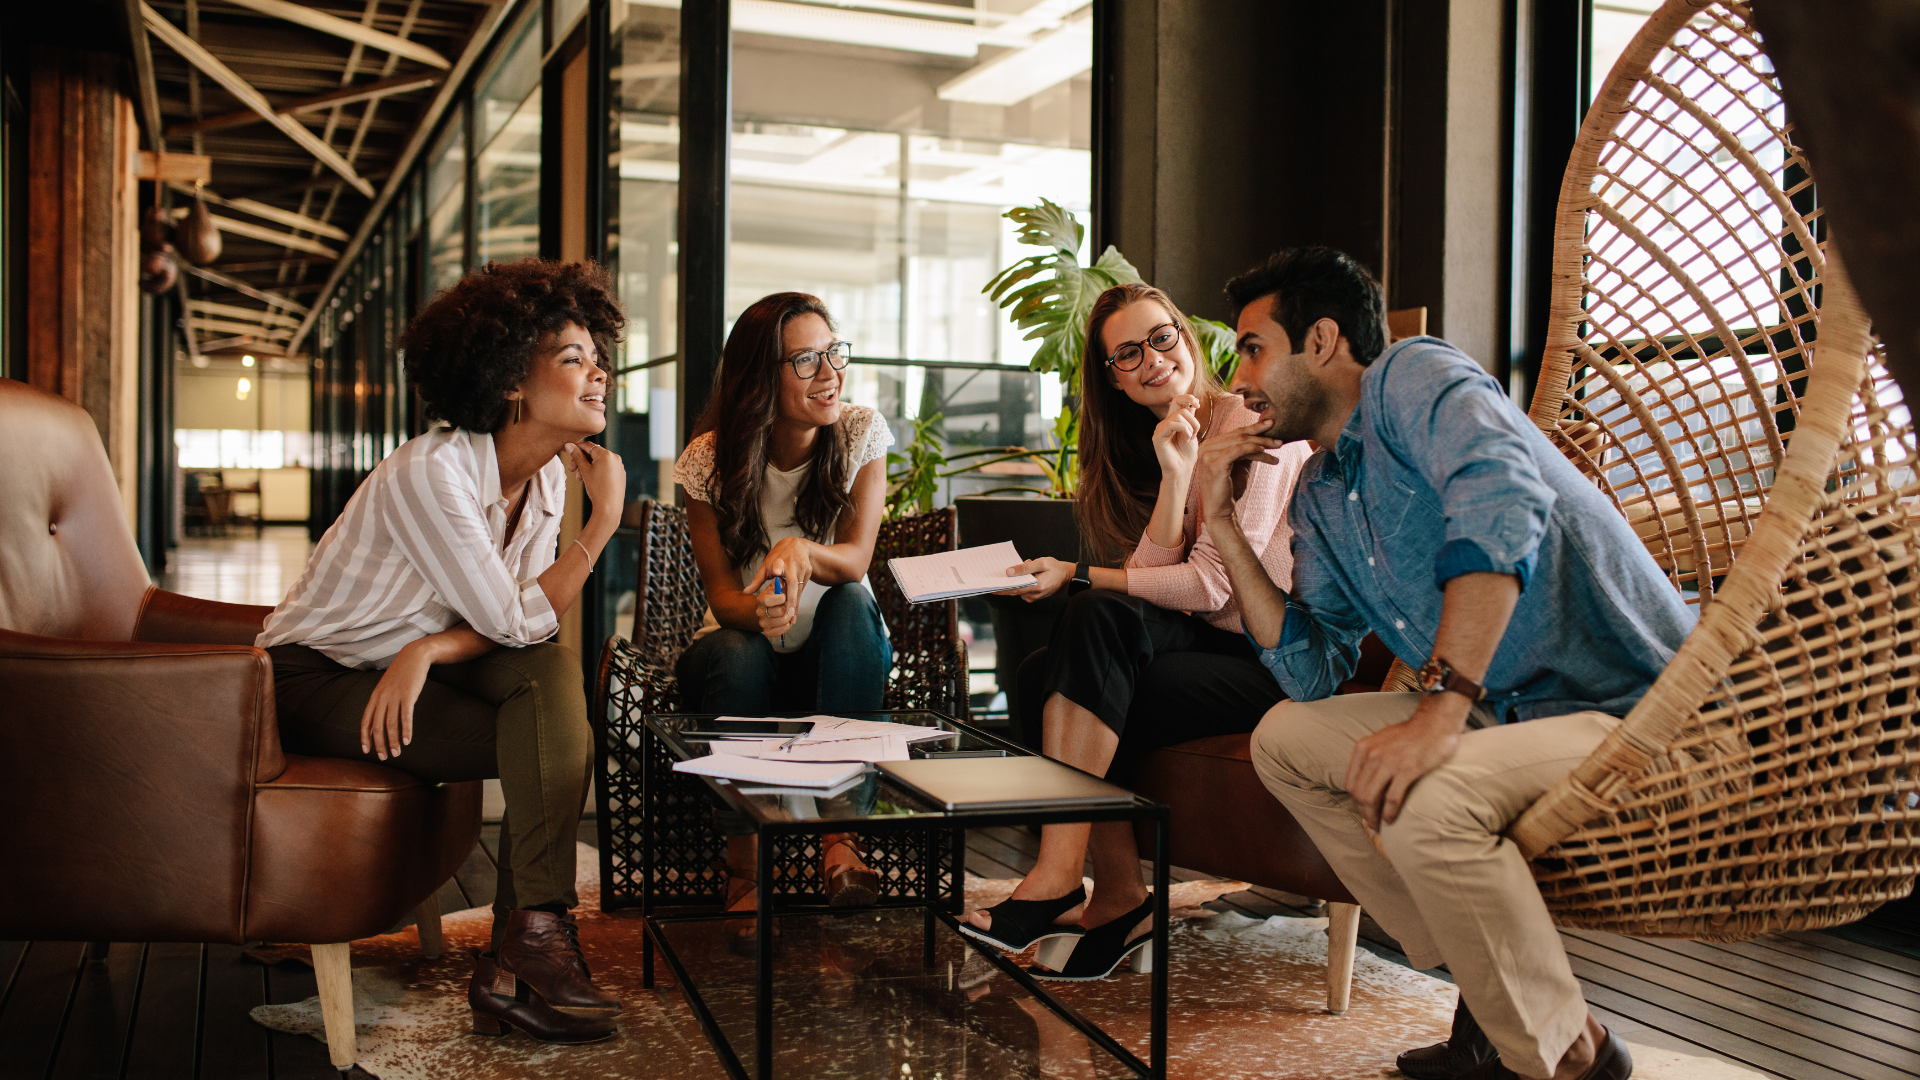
[[1148, 654], [786, 487]]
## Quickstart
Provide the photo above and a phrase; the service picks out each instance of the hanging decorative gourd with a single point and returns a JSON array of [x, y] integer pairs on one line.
[[158, 268], [199, 237]]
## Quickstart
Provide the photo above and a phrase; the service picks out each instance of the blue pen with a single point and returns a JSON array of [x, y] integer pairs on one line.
[[780, 590]]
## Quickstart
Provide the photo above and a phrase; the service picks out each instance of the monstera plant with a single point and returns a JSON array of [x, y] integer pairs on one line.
[[1049, 295]]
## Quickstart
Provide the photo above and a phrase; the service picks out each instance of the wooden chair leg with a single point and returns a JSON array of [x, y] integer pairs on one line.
[[1343, 932], [97, 951], [427, 919], [333, 968]]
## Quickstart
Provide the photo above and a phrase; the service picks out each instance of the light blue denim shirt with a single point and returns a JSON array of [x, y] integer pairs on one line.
[[1438, 474]]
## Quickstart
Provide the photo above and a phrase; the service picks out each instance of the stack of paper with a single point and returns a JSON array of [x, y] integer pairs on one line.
[[946, 575], [804, 774], [833, 750]]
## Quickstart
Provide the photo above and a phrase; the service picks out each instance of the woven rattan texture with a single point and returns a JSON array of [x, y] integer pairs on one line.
[[1770, 780], [648, 809], [929, 658]]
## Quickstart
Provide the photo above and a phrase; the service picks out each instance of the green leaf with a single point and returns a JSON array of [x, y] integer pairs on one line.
[[1217, 340]]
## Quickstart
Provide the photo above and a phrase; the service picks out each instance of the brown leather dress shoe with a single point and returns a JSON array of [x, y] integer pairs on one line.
[[1612, 1062], [499, 1004], [543, 950]]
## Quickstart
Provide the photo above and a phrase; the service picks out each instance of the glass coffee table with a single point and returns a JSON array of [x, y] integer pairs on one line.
[[847, 991]]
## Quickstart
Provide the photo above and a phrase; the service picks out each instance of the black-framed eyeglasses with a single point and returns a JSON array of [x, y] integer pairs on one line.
[[807, 364], [1160, 339]]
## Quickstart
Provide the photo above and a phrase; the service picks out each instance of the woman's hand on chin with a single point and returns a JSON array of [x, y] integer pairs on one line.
[[602, 473], [1176, 438], [1050, 576], [387, 723]]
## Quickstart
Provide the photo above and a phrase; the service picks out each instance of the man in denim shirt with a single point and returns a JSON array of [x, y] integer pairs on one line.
[[1436, 516]]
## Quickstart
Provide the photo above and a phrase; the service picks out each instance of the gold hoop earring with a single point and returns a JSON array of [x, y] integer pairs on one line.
[[516, 412]]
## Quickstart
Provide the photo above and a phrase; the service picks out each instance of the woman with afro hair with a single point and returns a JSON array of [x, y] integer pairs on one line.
[[418, 635]]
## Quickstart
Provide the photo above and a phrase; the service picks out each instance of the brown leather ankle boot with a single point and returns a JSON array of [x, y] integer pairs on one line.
[[543, 950], [499, 1001]]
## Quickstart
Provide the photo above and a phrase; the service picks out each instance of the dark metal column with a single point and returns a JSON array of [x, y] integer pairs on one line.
[[1549, 52], [706, 128]]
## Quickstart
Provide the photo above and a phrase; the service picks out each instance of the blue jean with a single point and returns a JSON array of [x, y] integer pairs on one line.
[[842, 667]]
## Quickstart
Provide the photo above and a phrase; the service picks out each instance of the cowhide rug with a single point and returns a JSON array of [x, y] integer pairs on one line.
[[1247, 1003]]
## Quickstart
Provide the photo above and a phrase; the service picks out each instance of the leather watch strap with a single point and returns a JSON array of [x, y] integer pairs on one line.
[[1438, 677]]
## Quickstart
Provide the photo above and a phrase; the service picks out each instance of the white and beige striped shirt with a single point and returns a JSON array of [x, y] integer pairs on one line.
[[419, 549]]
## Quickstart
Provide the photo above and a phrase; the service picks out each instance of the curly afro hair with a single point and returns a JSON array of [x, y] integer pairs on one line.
[[475, 341]]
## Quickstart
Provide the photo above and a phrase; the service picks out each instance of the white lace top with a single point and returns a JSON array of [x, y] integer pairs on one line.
[[868, 437]]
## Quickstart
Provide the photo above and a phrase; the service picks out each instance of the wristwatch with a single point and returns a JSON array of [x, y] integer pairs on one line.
[[1081, 582], [1438, 677]]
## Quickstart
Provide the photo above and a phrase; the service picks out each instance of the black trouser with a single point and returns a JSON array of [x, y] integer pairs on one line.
[[1156, 677]]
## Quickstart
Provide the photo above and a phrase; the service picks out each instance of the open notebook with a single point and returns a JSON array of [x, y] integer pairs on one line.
[[946, 575]]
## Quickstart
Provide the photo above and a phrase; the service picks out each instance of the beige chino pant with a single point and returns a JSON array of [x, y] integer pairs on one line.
[[1450, 887]]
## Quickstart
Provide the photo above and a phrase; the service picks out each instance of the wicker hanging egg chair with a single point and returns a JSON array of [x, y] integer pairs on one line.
[[1709, 367]]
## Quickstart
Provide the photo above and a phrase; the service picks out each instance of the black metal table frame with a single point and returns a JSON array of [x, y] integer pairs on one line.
[[767, 907]]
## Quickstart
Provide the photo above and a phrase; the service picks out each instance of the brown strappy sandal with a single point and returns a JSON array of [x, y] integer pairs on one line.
[[856, 886]]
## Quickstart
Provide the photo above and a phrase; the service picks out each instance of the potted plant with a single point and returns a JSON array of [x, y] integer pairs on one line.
[[1049, 295]]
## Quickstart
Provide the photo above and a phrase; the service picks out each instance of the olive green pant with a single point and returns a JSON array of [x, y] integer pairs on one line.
[[517, 714]]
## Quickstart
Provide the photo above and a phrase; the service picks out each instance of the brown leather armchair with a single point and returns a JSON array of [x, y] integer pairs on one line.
[[141, 773]]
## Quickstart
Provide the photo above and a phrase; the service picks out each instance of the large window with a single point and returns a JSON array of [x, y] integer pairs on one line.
[[447, 205], [873, 157], [506, 129]]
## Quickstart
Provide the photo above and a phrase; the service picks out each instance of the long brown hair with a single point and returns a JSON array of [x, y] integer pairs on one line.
[[1119, 474], [746, 401]]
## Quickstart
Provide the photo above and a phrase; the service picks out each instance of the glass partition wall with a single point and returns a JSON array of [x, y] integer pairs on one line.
[[873, 152]]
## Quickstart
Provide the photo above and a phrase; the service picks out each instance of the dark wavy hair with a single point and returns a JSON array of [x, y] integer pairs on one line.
[[745, 402], [1119, 473], [475, 341], [1313, 283]]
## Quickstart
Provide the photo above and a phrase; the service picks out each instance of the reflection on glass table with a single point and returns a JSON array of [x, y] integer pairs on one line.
[[919, 851]]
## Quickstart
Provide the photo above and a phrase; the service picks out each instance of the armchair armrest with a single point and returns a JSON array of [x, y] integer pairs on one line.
[[128, 769], [166, 616]]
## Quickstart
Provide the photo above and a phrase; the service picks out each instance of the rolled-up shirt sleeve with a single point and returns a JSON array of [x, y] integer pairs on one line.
[[1319, 645], [1469, 443], [437, 522]]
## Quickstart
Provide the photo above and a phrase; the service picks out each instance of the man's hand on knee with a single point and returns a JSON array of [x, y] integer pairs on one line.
[[1386, 764]]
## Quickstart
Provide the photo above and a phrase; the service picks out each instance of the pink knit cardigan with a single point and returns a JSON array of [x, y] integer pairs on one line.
[[1191, 577]]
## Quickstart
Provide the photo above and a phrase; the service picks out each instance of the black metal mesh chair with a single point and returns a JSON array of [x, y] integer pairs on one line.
[[636, 677]]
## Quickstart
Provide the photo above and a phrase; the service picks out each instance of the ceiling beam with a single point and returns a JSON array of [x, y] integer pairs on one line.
[[271, 236], [143, 78], [224, 326], [194, 53], [271, 213], [485, 27], [244, 289], [338, 27], [234, 311], [398, 85]]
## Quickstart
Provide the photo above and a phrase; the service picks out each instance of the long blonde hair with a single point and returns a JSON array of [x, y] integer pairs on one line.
[[1119, 474]]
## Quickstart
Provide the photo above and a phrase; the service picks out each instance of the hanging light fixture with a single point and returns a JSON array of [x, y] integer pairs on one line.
[[245, 385], [246, 361]]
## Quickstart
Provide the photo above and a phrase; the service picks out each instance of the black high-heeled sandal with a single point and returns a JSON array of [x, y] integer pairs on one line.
[[1098, 951], [1017, 924]]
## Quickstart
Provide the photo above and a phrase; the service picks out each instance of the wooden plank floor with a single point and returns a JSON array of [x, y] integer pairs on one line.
[[1815, 1006]]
